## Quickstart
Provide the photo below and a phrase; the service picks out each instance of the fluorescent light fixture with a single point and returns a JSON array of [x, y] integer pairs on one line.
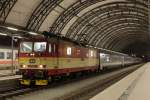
[[19, 37], [3, 34], [32, 33], [11, 28]]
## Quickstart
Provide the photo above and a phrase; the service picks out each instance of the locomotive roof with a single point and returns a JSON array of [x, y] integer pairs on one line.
[[46, 35]]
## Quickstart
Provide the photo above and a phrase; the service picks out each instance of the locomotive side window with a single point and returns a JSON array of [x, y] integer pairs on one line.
[[50, 48], [1, 55], [54, 48], [68, 51], [26, 47], [39, 46]]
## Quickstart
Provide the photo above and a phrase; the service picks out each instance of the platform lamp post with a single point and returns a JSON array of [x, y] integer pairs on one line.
[[12, 47], [12, 53], [14, 37]]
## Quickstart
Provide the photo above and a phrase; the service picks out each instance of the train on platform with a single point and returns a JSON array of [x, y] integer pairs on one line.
[[6, 58], [42, 59]]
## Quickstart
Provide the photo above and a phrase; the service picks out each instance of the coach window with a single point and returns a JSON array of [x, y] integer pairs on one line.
[[92, 53], [9, 54], [68, 51], [16, 55], [107, 59], [1, 55]]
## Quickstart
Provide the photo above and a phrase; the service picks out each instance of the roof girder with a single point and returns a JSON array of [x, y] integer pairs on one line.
[[129, 32], [40, 13], [106, 26], [77, 25], [59, 24], [5, 8], [105, 35], [125, 40]]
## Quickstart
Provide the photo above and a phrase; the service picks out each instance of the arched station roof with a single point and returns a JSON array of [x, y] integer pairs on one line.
[[109, 24]]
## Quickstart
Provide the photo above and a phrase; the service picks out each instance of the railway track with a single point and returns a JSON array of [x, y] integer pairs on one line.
[[89, 91], [80, 94]]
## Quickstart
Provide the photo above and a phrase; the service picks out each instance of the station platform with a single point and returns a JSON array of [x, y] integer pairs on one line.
[[9, 81], [8, 75], [7, 72], [135, 86], [11, 77]]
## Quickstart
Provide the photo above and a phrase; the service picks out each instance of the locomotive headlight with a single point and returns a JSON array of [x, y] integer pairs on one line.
[[24, 66], [32, 54], [41, 66]]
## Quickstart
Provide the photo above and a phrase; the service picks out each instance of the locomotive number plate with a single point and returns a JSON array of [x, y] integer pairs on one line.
[[32, 61]]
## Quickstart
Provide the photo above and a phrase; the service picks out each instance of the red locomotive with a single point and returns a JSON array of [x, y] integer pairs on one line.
[[42, 59]]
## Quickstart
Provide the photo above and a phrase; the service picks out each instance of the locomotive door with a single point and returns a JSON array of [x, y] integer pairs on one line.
[[54, 59]]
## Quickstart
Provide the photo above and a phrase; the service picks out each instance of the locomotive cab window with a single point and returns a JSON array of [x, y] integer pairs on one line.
[[40, 46], [26, 47], [68, 51]]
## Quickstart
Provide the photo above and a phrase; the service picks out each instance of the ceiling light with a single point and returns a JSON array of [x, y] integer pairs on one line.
[[32, 33], [19, 37], [11, 28], [3, 34]]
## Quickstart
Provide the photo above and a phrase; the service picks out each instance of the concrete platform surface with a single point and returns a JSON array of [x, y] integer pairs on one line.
[[10, 77], [9, 82], [142, 87], [6, 72], [135, 86]]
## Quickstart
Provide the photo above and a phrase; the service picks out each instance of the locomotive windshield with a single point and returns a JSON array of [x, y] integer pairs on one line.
[[26, 47], [40, 46]]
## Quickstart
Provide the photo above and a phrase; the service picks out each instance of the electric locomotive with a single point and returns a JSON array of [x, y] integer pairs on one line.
[[42, 59]]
